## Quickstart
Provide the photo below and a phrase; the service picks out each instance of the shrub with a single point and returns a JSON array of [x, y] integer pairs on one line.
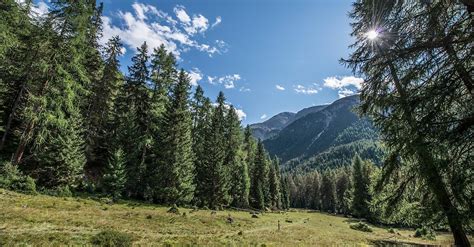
[[174, 209], [11, 178], [361, 226], [111, 238], [425, 233]]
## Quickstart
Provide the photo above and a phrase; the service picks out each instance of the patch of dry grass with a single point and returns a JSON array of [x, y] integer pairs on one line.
[[44, 220]]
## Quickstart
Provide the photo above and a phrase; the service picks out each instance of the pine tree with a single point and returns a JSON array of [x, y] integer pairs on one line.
[[419, 90], [316, 191], [201, 109], [103, 95], [233, 156], [328, 192], [176, 168], [134, 105], [360, 195], [53, 116], [115, 178], [274, 184], [342, 189], [260, 175], [285, 193], [213, 187]]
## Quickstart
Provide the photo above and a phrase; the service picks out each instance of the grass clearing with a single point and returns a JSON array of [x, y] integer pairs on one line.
[[53, 221]]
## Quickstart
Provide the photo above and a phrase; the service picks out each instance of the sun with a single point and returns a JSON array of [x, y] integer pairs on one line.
[[372, 34]]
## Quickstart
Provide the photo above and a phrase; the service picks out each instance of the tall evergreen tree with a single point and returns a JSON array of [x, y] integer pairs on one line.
[[102, 97], [361, 195], [135, 102], [234, 157], [260, 175], [176, 168], [213, 187], [342, 190], [274, 184], [328, 192], [285, 193], [316, 191], [201, 109], [419, 92], [115, 178]]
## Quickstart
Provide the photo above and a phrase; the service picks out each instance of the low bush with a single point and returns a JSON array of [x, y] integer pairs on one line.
[[425, 233], [111, 238], [11, 178], [361, 226], [60, 191]]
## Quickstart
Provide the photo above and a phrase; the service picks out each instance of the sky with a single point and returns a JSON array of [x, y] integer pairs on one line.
[[266, 56]]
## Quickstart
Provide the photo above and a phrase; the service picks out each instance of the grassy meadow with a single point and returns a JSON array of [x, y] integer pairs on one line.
[[41, 220]]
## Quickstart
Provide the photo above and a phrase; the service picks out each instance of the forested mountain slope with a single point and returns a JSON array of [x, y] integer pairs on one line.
[[271, 127], [327, 136]]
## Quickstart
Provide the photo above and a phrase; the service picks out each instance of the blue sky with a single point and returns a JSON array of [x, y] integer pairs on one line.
[[266, 56]]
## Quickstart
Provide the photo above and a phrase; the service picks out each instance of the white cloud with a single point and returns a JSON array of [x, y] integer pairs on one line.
[[195, 75], [37, 10], [346, 85], [305, 90], [181, 14], [228, 80], [281, 88], [264, 116], [337, 82], [196, 24], [241, 114], [217, 22], [244, 89], [345, 92], [156, 27]]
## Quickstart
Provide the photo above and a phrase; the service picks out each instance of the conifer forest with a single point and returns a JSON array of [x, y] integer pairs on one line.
[[105, 145]]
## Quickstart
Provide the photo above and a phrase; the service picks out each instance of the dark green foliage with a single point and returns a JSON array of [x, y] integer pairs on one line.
[[176, 159], [103, 95], [115, 178], [274, 184], [361, 226], [259, 179], [13, 179], [419, 91], [328, 192], [425, 233], [213, 188], [112, 238], [361, 196]]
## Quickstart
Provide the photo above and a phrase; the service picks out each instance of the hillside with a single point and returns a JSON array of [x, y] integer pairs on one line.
[[52, 221], [325, 136], [272, 127]]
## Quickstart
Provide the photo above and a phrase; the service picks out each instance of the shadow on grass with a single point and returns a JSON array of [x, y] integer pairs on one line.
[[384, 242]]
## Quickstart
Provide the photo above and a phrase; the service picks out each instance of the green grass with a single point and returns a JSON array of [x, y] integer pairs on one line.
[[41, 220]]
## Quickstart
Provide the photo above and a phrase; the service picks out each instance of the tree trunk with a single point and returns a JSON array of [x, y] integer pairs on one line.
[[437, 186]]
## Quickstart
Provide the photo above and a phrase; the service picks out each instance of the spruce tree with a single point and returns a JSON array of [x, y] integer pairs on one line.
[[201, 109], [102, 99], [176, 168], [274, 184], [135, 107], [233, 156], [328, 192], [342, 190], [285, 193], [360, 195], [115, 178], [260, 175], [213, 187], [316, 191]]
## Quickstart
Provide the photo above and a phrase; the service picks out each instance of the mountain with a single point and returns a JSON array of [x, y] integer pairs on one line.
[[275, 124], [324, 136]]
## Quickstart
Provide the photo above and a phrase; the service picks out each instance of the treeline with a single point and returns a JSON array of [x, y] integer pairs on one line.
[[71, 120], [346, 190]]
